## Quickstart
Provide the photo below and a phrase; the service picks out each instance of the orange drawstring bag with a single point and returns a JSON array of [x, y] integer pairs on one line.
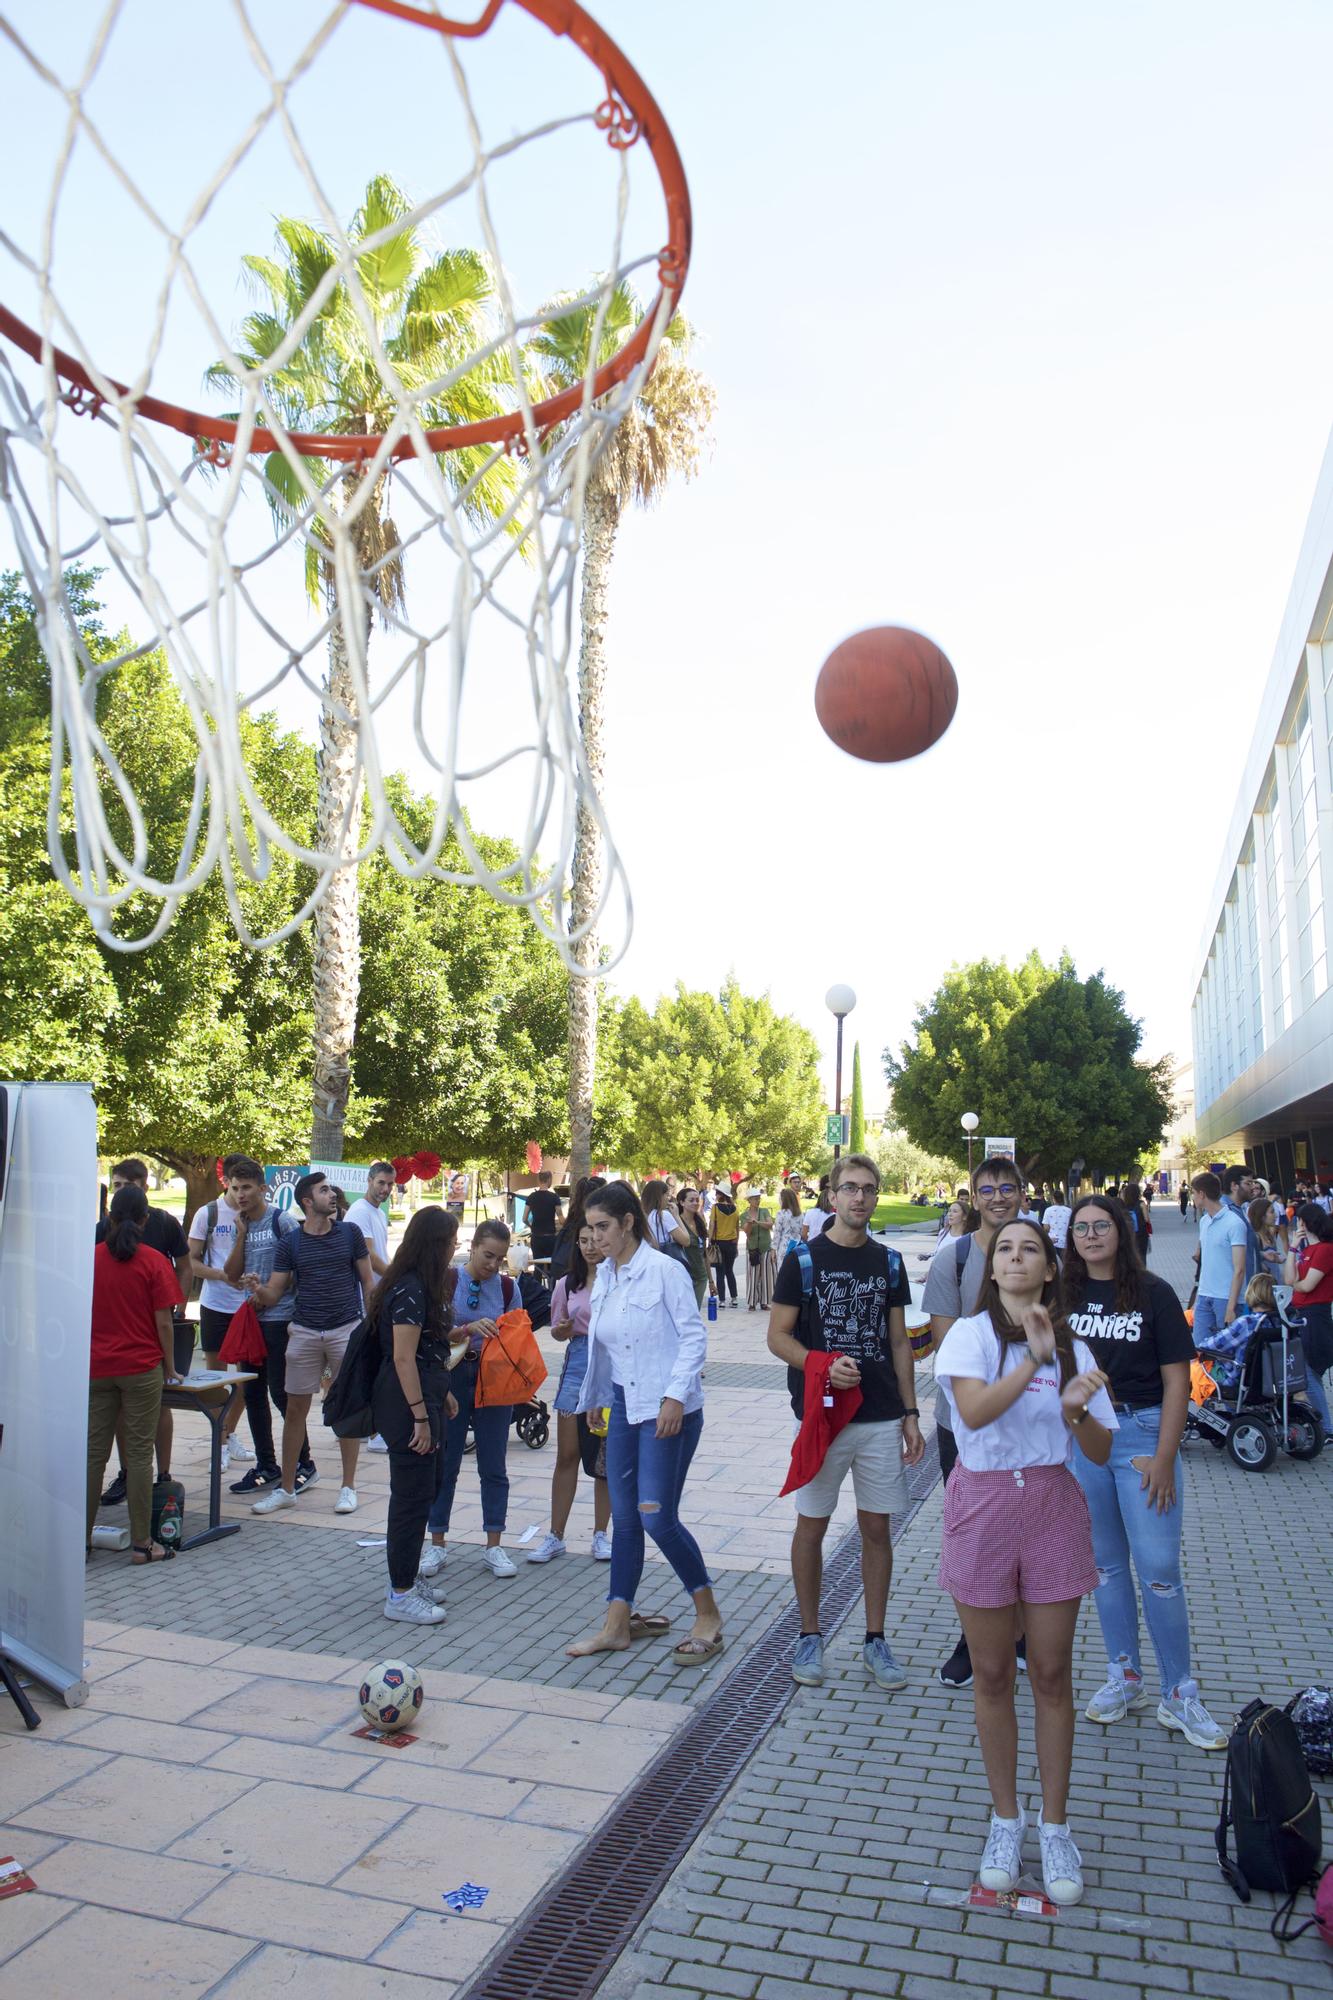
[[1202, 1385], [511, 1369], [243, 1343]]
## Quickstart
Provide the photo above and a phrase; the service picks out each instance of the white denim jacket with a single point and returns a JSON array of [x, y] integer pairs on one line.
[[651, 1302]]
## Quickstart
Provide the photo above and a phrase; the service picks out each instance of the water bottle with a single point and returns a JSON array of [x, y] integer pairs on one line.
[[712, 1305]]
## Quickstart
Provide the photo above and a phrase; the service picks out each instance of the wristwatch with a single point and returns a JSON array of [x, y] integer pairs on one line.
[[911, 1413], [1079, 1416]]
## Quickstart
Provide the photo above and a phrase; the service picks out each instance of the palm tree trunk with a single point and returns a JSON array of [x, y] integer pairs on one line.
[[337, 954], [601, 518]]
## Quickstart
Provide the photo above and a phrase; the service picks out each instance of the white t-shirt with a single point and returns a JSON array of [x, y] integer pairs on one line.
[[373, 1223], [1033, 1430], [816, 1221], [213, 1293], [662, 1225], [1056, 1220]]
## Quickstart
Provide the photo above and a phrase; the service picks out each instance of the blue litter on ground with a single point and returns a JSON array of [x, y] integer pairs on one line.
[[469, 1897]]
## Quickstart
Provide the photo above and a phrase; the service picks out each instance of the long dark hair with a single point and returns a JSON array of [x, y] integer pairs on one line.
[[1052, 1297], [698, 1227], [619, 1199], [125, 1221], [655, 1195], [1128, 1266], [1310, 1215], [426, 1252], [585, 1186]]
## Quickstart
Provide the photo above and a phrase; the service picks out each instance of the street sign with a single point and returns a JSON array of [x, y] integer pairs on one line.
[[837, 1131]]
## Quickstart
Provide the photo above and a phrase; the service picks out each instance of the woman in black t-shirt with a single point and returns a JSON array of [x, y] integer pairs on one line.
[[1134, 1324], [412, 1305]]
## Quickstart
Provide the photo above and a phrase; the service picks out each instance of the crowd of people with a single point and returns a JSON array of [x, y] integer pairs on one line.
[[1062, 1379]]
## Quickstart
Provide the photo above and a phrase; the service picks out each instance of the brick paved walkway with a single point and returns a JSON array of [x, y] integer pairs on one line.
[[839, 1865]]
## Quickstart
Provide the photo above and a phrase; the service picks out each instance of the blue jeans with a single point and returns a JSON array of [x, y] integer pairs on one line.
[[491, 1430], [1209, 1316], [1316, 1341], [646, 1476], [1124, 1529]]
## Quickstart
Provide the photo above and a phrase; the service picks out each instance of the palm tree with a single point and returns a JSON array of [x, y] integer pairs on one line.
[[430, 312], [661, 434]]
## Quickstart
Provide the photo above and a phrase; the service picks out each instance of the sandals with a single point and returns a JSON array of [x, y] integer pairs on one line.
[[143, 1553], [648, 1625], [696, 1652]]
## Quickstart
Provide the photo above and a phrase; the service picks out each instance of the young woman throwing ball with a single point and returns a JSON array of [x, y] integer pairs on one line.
[[1017, 1549]]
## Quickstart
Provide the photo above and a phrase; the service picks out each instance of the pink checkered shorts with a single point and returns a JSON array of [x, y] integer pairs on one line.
[[1016, 1537]]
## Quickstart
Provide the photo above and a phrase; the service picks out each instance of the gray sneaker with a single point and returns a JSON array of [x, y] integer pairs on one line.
[[413, 1609], [1002, 1858], [807, 1661], [1114, 1701], [879, 1660]]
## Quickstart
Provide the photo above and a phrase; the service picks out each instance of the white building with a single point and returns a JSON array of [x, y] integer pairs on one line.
[[1262, 1017]]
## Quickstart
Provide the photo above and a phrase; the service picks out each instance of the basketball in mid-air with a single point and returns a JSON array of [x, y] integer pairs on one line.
[[885, 694]]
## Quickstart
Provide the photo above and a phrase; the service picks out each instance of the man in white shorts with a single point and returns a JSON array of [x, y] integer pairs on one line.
[[331, 1266], [853, 1309]]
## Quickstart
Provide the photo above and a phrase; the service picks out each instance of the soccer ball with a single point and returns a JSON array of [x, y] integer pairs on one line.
[[390, 1695]]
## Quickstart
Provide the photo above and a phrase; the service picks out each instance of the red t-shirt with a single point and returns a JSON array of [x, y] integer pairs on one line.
[[126, 1298], [1319, 1257]]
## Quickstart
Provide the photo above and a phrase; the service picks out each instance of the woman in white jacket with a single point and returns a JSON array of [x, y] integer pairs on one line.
[[646, 1345]]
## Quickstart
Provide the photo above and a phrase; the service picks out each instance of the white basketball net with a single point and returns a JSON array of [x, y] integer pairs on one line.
[[180, 533]]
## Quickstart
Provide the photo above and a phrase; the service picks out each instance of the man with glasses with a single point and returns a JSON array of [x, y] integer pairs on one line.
[[853, 1310], [953, 1285], [481, 1293]]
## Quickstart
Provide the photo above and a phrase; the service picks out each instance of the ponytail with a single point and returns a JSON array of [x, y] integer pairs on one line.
[[125, 1223]]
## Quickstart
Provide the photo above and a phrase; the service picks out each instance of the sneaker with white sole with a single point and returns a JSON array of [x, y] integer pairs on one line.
[[498, 1563], [241, 1454], [306, 1475], [346, 1501], [432, 1587], [376, 1443], [1113, 1702], [432, 1560], [1002, 1856], [224, 1456], [547, 1549], [807, 1660], [1183, 1710], [273, 1502], [601, 1546], [412, 1608], [1061, 1864], [879, 1662]]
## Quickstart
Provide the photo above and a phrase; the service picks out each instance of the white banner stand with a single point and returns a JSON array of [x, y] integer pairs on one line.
[[48, 1212]]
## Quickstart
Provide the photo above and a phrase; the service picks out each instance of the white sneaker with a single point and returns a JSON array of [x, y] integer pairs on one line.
[[240, 1453], [225, 1460], [273, 1502], [1113, 1702], [1061, 1864], [1002, 1860], [346, 1501], [432, 1560], [413, 1609], [498, 1563], [1184, 1711], [376, 1443], [601, 1546], [548, 1548], [432, 1587]]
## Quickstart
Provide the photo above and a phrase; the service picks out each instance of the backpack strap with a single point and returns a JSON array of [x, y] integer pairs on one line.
[[801, 1252], [210, 1224], [1230, 1869], [506, 1290], [962, 1250]]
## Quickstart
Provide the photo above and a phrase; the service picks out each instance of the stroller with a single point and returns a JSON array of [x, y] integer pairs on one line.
[[531, 1420], [1260, 1405]]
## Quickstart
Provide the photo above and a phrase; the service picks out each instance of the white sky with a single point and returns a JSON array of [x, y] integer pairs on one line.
[[1019, 322]]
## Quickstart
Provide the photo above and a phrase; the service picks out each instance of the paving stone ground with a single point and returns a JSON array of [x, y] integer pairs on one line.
[[840, 1863]]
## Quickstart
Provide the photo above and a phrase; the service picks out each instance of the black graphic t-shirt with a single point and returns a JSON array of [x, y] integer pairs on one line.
[[848, 1313], [1132, 1346], [543, 1206]]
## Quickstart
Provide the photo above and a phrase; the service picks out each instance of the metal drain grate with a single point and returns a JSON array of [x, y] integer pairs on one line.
[[574, 1934]]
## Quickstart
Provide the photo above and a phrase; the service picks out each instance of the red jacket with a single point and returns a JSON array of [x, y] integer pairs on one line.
[[819, 1424]]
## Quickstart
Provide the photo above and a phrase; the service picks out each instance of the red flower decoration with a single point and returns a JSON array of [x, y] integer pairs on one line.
[[403, 1169], [534, 1157], [426, 1165]]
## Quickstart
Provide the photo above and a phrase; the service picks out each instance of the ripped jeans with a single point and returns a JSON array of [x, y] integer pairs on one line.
[[1126, 1530], [646, 1477]]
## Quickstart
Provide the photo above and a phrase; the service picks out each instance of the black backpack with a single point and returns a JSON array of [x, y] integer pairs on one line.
[[1268, 1804], [347, 1410]]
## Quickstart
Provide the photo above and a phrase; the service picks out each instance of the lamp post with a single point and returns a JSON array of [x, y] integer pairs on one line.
[[969, 1122], [840, 1001]]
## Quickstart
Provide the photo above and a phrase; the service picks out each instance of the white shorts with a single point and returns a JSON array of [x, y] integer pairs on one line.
[[879, 1477], [313, 1352]]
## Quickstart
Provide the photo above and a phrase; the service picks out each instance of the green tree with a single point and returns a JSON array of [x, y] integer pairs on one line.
[[857, 1122], [905, 1166], [430, 313], [717, 1080], [662, 434], [1038, 1052]]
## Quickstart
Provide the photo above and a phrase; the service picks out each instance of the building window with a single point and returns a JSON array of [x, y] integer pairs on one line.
[[1311, 967]]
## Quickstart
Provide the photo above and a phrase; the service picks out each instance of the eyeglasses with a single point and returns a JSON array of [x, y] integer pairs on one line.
[[1093, 1228], [1005, 1187], [858, 1190]]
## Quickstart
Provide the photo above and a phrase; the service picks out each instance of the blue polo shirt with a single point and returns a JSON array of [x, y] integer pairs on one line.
[[1218, 1235], [1254, 1260]]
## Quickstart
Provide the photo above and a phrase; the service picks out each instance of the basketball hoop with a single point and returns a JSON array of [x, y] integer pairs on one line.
[[487, 502]]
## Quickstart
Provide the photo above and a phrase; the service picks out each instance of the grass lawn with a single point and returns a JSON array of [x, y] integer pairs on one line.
[[893, 1212]]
